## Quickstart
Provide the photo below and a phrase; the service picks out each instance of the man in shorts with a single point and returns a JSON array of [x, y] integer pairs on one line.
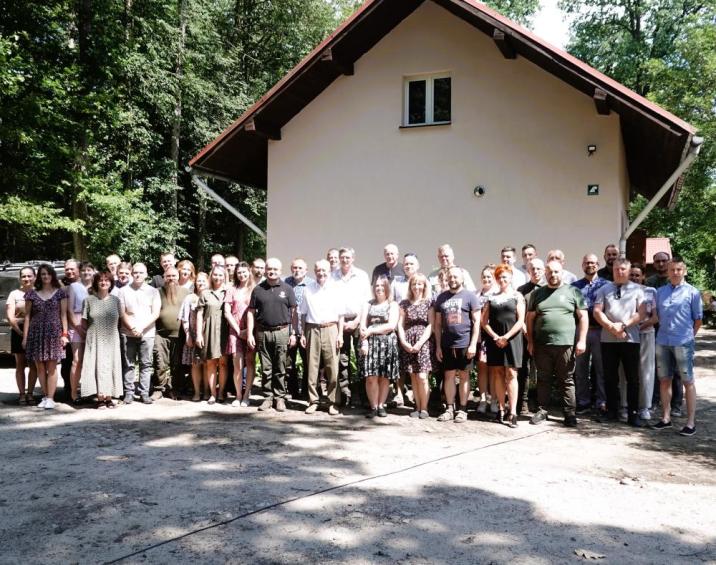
[[457, 328], [680, 311]]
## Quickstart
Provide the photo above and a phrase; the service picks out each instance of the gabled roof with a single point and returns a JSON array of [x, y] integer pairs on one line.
[[655, 140]]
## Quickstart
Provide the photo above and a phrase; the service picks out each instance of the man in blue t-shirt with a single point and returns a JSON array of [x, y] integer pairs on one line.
[[457, 328], [680, 311]]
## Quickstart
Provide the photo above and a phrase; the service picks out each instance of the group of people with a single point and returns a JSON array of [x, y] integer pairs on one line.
[[601, 338]]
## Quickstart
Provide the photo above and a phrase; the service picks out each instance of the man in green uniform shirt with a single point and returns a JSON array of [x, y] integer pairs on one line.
[[555, 313]]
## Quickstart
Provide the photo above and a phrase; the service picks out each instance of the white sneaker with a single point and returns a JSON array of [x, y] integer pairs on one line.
[[42, 402], [49, 404], [644, 414], [245, 404], [482, 407], [623, 414], [236, 403]]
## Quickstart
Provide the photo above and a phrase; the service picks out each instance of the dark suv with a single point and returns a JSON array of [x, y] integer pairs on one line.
[[9, 281]]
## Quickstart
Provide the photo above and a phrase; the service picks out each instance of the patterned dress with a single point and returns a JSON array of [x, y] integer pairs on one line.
[[44, 336], [415, 320], [102, 362], [382, 357], [187, 313]]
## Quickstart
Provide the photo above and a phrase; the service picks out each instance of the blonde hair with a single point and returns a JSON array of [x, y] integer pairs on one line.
[[426, 288]]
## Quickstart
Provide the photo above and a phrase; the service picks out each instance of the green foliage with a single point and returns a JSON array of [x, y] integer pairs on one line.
[[102, 103], [666, 51], [518, 10]]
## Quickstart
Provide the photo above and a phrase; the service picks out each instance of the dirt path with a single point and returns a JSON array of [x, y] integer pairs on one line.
[[181, 482]]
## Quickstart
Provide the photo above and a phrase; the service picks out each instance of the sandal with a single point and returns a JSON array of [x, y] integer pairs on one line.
[[30, 400], [22, 400]]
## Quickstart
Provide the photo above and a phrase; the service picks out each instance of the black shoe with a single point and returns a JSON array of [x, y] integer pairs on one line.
[[582, 410], [661, 425], [372, 413], [635, 421], [687, 431], [539, 417], [512, 421], [382, 412], [147, 400], [570, 421], [500, 417]]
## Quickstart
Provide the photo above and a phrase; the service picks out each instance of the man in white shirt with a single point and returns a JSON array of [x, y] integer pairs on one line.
[[568, 277], [508, 256], [140, 305], [321, 311], [354, 286], [446, 258]]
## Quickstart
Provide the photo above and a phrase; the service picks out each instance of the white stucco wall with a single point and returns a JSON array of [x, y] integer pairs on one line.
[[345, 174]]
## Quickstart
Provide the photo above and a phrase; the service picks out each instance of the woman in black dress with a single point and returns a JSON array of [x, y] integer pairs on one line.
[[503, 317]]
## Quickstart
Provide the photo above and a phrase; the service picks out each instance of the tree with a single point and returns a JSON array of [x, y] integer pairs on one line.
[[664, 50]]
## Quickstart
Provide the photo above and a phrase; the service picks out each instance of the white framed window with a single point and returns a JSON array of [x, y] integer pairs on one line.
[[427, 100]]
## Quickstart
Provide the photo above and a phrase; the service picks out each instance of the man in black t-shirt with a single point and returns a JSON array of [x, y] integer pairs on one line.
[[269, 324], [457, 328]]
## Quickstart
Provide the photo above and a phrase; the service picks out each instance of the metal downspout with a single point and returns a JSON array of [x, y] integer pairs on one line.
[[203, 186], [694, 149]]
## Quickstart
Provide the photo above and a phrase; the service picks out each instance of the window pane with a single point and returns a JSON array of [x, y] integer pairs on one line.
[[416, 101], [441, 98]]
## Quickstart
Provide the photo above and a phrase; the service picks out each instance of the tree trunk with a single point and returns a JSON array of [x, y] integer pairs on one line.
[[128, 39], [176, 122], [78, 205]]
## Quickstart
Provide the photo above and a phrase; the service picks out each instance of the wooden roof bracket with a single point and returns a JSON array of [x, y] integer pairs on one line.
[[601, 102], [269, 131], [328, 56], [503, 44]]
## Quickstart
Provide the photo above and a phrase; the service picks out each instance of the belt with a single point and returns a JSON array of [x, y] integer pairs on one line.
[[325, 325], [272, 328]]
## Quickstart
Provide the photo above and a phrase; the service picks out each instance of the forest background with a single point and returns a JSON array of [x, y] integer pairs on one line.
[[103, 102]]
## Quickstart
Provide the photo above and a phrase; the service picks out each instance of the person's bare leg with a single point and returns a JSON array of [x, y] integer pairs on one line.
[[399, 391], [197, 372], [482, 380], [211, 365], [383, 390], [42, 376], [20, 374], [250, 372], [372, 391], [497, 375], [665, 392], [423, 388], [222, 376], [51, 368], [31, 380], [449, 387], [690, 394], [464, 388], [238, 374], [512, 387]]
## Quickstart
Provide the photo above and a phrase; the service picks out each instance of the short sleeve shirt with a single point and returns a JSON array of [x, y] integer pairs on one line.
[[272, 303], [678, 308], [455, 312], [138, 304], [555, 314], [619, 303]]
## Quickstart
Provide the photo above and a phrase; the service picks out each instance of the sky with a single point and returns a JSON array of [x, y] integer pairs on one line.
[[548, 24]]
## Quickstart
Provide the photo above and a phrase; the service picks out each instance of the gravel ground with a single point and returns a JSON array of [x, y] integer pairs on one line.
[[185, 482]]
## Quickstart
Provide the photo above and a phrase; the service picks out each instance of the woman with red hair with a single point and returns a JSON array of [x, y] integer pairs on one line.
[[503, 317]]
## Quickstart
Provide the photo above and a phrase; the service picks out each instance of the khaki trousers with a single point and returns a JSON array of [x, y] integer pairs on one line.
[[321, 346]]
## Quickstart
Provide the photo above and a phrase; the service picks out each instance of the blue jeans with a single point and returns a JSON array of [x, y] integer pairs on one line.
[[588, 390], [137, 349], [673, 359]]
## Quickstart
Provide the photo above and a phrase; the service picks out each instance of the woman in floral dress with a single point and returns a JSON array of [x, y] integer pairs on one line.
[[45, 330], [414, 332], [190, 354], [379, 346]]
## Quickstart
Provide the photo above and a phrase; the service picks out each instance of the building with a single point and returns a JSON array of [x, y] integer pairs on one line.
[[424, 122]]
